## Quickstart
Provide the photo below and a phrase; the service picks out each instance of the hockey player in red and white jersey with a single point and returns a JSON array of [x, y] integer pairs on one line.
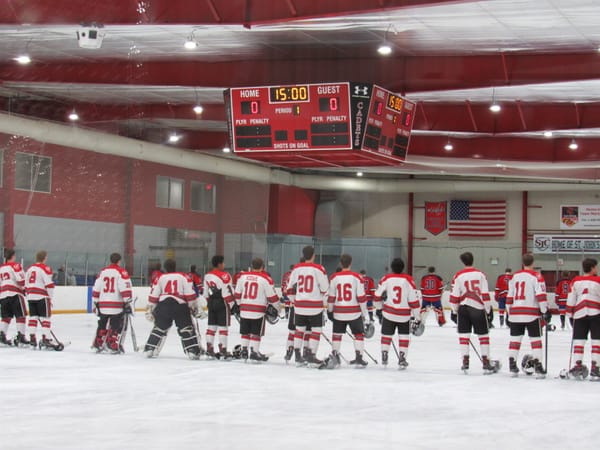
[[311, 284], [501, 291], [471, 310], [111, 295], [39, 290], [561, 292], [173, 299], [347, 307], [12, 300], [219, 294], [583, 306], [254, 293], [525, 301], [432, 287], [398, 297]]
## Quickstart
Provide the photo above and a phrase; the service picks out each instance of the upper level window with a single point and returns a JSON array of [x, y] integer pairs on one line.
[[203, 197], [169, 192], [33, 172]]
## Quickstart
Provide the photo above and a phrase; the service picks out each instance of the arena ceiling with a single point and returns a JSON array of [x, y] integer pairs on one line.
[[539, 59]]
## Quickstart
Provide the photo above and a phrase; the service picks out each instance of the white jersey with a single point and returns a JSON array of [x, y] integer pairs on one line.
[[38, 282], [470, 287], [311, 285], [584, 297], [217, 280], [347, 297], [526, 296], [112, 289], [402, 298], [175, 285], [253, 292], [12, 280]]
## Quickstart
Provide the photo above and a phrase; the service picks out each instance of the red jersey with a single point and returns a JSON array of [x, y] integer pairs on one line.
[[562, 288], [502, 285], [369, 285], [196, 282], [432, 287]]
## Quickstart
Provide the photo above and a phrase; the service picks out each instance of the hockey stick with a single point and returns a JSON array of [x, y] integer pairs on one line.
[[331, 343], [60, 343], [475, 350], [133, 337], [395, 350], [364, 349], [546, 348]]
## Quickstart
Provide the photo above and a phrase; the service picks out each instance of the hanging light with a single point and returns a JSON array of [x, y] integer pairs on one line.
[[573, 145], [190, 43], [23, 59], [359, 174], [448, 147], [548, 134], [384, 49], [226, 149], [174, 137], [73, 116], [198, 109], [494, 107]]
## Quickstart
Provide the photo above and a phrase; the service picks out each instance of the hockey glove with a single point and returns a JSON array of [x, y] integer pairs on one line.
[[454, 317], [127, 308], [490, 317], [150, 312], [235, 309], [330, 315], [547, 316], [379, 314]]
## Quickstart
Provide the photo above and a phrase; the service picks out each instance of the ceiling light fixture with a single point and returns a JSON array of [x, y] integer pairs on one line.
[[573, 145], [23, 59], [494, 107], [385, 48], [548, 134], [174, 137], [359, 174], [448, 147], [73, 116], [198, 109], [191, 43], [226, 149]]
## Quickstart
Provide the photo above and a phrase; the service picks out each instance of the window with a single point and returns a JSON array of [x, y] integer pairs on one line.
[[203, 197], [33, 172], [169, 193]]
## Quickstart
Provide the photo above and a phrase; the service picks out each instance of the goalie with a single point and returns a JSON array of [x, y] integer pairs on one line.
[[172, 299]]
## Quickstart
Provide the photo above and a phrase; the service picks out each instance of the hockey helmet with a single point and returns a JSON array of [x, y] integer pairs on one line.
[[272, 315], [237, 352], [527, 364], [369, 330], [417, 327]]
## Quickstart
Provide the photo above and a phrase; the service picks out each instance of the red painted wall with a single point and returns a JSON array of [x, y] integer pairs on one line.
[[292, 210]]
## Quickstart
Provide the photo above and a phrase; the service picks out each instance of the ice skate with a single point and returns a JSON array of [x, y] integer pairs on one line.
[[288, 354], [465, 364], [579, 371], [512, 367], [595, 372], [50, 344], [20, 340], [358, 362], [224, 354], [312, 360], [244, 353], [300, 361], [540, 372], [258, 356], [3, 341], [33, 341], [489, 366], [210, 352], [331, 362], [501, 321], [384, 358], [402, 362], [194, 356]]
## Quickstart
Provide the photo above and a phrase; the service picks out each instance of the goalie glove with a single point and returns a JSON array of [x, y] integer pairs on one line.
[[150, 312], [454, 317], [547, 316], [127, 309]]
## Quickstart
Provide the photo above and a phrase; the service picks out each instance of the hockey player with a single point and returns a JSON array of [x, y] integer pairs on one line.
[[219, 293], [172, 299], [583, 306], [311, 284], [39, 289], [501, 292], [347, 307], [398, 297], [285, 298], [254, 292], [196, 280], [12, 301], [525, 300], [561, 293], [112, 296], [470, 303], [369, 285], [432, 287]]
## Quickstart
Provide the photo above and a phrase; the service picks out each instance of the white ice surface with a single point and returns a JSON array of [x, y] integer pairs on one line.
[[77, 399]]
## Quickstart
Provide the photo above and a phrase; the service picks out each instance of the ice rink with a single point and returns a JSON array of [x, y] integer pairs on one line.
[[77, 399]]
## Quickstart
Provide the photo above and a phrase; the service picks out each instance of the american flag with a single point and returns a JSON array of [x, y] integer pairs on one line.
[[477, 218]]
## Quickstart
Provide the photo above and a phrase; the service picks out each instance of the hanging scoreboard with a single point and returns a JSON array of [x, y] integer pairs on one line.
[[319, 121]]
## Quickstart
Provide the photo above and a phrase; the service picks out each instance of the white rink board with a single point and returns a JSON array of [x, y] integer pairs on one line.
[[77, 399]]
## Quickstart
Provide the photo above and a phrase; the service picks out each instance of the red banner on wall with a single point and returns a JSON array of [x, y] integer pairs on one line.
[[435, 217]]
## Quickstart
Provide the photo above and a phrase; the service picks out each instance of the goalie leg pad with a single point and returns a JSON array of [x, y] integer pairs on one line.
[[189, 341], [155, 342]]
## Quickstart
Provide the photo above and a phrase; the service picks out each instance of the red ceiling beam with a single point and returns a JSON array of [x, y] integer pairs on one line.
[[184, 12], [408, 74]]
